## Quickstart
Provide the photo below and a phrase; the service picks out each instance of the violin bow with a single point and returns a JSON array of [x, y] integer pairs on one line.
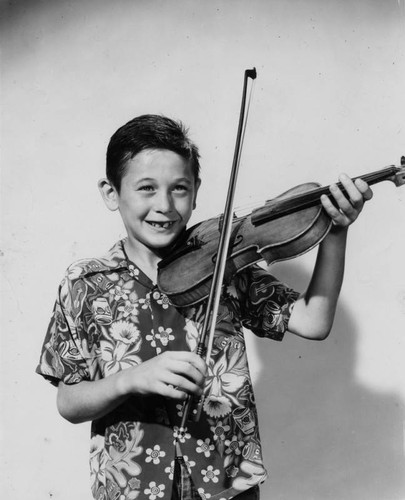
[[206, 340]]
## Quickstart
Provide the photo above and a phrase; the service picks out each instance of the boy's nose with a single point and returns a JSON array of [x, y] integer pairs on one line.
[[164, 202]]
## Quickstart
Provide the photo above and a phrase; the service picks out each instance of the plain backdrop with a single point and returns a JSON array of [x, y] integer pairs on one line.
[[329, 97]]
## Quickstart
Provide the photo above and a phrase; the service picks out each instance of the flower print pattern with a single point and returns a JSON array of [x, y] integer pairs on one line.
[[180, 409], [145, 302], [134, 483], [170, 470], [68, 350], [152, 339], [164, 335], [203, 494], [121, 290], [225, 378], [192, 333], [232, 471], [154, 455], [180, 434], [97, 472], [131, 492], [266, 302], [189, 463], [219, 431], [164, 301], [123, 331], [205, 447], [234, 445], [133, 271], [130, 308], [154, 491], [116, 357], [210, 474], [217, 406], [123, 465], [118, 437], [161, 299]]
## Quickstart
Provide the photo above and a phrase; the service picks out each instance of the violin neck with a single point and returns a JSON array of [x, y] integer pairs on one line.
[[386, 174], [279, 207]]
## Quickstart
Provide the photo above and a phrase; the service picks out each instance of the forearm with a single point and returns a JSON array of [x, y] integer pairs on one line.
[[313, 314], [172, 374], [89, 400]]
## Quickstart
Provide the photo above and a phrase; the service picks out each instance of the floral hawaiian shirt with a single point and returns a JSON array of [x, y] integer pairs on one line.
[[109, 316]]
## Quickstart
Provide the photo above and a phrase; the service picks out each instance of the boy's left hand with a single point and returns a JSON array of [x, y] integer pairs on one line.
[[349, 205]]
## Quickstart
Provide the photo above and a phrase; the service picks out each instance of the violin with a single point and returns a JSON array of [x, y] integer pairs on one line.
[[209, 254], [283, 228]]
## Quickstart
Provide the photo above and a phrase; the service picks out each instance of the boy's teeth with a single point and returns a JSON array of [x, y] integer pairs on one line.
[[165, 225]]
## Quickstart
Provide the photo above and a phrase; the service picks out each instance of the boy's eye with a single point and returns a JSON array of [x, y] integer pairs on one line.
[[146, 187], [181, 187]]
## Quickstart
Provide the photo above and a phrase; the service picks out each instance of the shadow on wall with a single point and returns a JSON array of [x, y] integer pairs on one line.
[[325, 437]]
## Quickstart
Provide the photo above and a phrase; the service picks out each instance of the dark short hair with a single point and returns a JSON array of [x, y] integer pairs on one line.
[[148, 132]]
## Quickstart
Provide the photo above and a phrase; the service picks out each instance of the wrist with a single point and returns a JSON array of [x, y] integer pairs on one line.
[[337, 234], [339, 230], [335, 240], [122, 387]]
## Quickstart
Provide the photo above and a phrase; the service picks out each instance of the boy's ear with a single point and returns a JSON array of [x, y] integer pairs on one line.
[[197, 187], [109, 194]]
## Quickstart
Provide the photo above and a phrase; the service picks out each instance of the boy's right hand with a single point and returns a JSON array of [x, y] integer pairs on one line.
[[172, 374]]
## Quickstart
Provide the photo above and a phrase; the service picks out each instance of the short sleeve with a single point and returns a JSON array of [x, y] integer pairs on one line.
[[62, 356], [266, 303]]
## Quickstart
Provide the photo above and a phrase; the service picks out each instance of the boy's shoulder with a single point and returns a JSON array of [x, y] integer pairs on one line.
[[83, 267], [111, 261]]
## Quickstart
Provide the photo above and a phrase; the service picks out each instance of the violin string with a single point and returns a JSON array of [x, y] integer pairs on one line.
[[307, 199], [279, 207]]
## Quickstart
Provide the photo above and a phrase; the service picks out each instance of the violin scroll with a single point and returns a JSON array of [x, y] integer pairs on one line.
[[399, 176]]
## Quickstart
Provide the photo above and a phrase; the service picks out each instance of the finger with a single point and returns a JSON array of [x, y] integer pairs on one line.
[[199, 363], [187, 370], [187, 357], [344, 211], [344, 203], [196, 361], [177, 384], [338, 218], [172, 392], [364, 188], [352, 194]]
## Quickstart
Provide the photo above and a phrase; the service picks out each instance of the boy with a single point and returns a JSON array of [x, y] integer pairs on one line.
[[122, 355]]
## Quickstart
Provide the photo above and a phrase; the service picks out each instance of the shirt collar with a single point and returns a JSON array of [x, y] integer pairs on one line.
[[113, 260]]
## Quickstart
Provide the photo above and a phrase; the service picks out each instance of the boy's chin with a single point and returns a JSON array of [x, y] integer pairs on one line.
[[161, 244], [163, 248], [167, 241]]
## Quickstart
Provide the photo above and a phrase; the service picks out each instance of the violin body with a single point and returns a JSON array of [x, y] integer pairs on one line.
[[188, 268]]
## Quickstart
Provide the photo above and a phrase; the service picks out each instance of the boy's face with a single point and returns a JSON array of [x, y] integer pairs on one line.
[[157, 197]]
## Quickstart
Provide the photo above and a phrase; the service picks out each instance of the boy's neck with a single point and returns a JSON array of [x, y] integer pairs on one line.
[[146, 259]]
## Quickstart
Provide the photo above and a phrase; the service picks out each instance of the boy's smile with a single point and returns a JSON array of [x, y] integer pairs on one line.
[[156, 200]]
